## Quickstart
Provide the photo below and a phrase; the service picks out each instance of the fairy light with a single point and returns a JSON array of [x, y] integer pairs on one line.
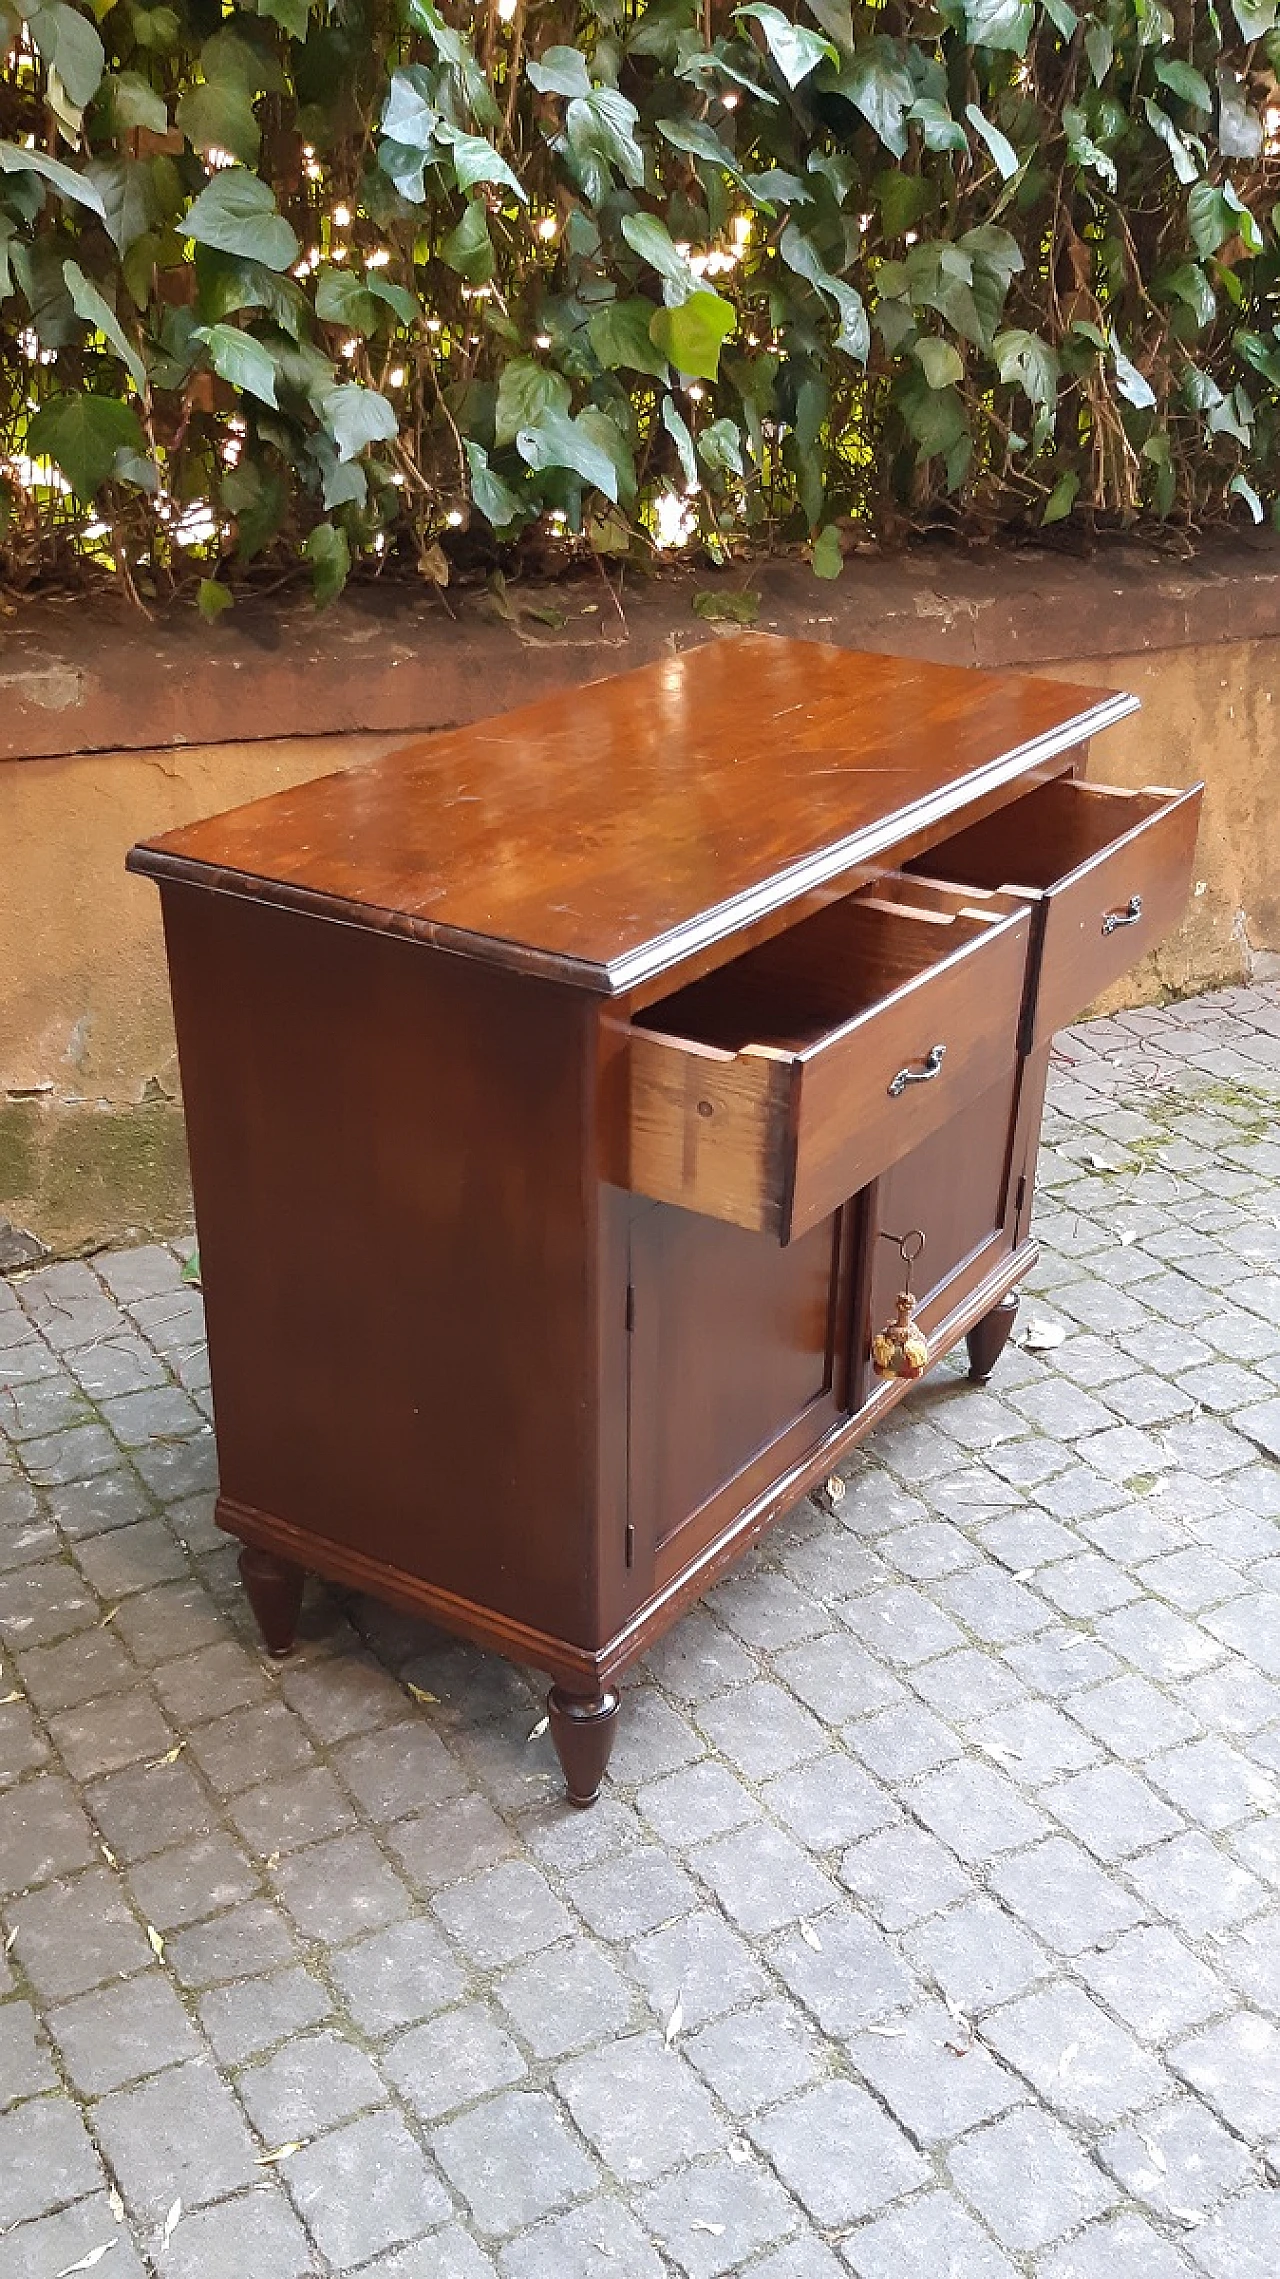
[[694, 392], [349, 347], [339, 252], [674, 520], [730, 102], [455, 518], [548, 228], [378, 259], [219, 159], [312, 169], [433, 324], [741, 226], [542, 340], [395, 377], [506, 10], [342, 217]]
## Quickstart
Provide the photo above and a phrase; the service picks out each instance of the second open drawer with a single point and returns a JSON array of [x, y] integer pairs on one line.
[[1106, 872], [773, 1089]]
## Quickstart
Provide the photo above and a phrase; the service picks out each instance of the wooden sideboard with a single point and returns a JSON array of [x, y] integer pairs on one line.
[[551, 1084]]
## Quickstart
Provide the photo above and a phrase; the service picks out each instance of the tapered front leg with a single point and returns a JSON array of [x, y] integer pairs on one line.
[[988, 1338], [583, 1728], [273, 1587]]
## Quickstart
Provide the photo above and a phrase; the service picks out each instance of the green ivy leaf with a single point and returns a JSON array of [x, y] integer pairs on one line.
[[64, 179], [410, 114], [1184, 81], [601, 134], [241, 360], [211, 601], [82, 435], [1061, 499], [1241, 488], [825, 554], [69, 44], [492, 497], [619, 334], [999, 23], [1063, 18], [258, 500], [720, 448], [468, 249], [940, 130], [556, 440], [677, 429], [330, 557], [134, 102], [218, 115], [652, 240], [1135, 389], [90, 304], [795, 49], [293, 16], [693, 333], [356, 417], [236, 213], [939, 362], [559, 71], [343, 298], [475, 160], [801, 254], [398, 298], [1000, 147], [1024, 360], [526, 392], [879, 85]]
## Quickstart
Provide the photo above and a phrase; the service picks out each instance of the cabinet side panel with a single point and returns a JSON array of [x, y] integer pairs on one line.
[[389, 1155]]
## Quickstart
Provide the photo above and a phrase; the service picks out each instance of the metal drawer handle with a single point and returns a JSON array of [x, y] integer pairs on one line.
[[930, 1066], [1127, 917]]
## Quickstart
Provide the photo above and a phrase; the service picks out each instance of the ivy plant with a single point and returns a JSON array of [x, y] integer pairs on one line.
[[301, 286]]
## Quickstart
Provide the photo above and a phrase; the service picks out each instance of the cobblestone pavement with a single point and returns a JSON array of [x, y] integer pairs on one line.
[[929, 1925]]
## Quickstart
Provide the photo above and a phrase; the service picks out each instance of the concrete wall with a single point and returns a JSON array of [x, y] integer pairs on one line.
[[91, 1137]]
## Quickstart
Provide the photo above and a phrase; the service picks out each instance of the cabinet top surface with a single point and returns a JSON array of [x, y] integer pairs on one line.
[[605, 834]]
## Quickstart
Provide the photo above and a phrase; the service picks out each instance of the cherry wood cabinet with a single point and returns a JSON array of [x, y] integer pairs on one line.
[[552, 1087]]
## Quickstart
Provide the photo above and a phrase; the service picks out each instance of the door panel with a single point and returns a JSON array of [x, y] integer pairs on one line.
[[737, 1348]]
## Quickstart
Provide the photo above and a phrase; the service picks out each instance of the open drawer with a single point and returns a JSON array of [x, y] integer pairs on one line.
[[776, 1087], [1107, 872]]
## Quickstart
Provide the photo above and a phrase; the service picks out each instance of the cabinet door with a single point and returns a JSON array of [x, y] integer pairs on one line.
[[968, 1190], [739, 1368]]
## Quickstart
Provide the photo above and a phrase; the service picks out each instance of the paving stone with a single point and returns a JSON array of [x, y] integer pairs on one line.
[[836, 1678], [1125, 2245], [762, 1730], [181, 1886], [177, 1619], [829, 1802], [239, 1944], [251, 1744], [1232, 1699], [1179, 2160], [1195, 1885], [968, 1684], [40, 1604], [1235, 2066], [1155, 1983], [575, 2246], [757, 2056], [243, 2019], [65, 1459], [1243, 2241], [70, 1936], [1087, 1585], [902, 1742], [1112, 1811], [297, 1809], [565, 1841], [336, 1890], [307, 2087], [52, 2245], [122, 2033], [112, 1497], [701, 1801], [1059, 1663], [701, 1962], [46, 2158], [709, 2219], [459, 2056], [449, 1842], [1252, 1962], [179, 2136], [145, 1808], [24, 2066], [1056, 1890], [976, 1810], [1213, 1783], [845, 1972], [508, 1912], [398, 1976], [128, 1559], [1082, 2064], [763, 1879], [935, 2080], [1163, 1644], [103, 1736], [447, 2254], [840, 2155], [903, 1625], [903, 1875], [626, 1897], [211, 1682], [1034, 1741], [256, 2233], [343, 1695], [699, 1659], [1131, 1718], [365, 2188], [566, 1997], [933, 2235], [513, 2160], [976, 1955], [1028, 2180]]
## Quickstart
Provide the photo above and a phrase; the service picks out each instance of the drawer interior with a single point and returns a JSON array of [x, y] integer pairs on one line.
[[825, 973], [1041, 838]]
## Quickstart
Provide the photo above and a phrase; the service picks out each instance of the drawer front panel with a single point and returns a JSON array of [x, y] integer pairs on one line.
[[1102, 918], [874, 1094]]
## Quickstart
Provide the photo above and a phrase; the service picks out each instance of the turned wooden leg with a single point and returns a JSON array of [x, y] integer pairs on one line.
[[988, 1338], [583, 1727], [274, 1590]]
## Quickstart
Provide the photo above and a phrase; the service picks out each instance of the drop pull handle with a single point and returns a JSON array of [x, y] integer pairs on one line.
[[1126, 917], [928, 1068]]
